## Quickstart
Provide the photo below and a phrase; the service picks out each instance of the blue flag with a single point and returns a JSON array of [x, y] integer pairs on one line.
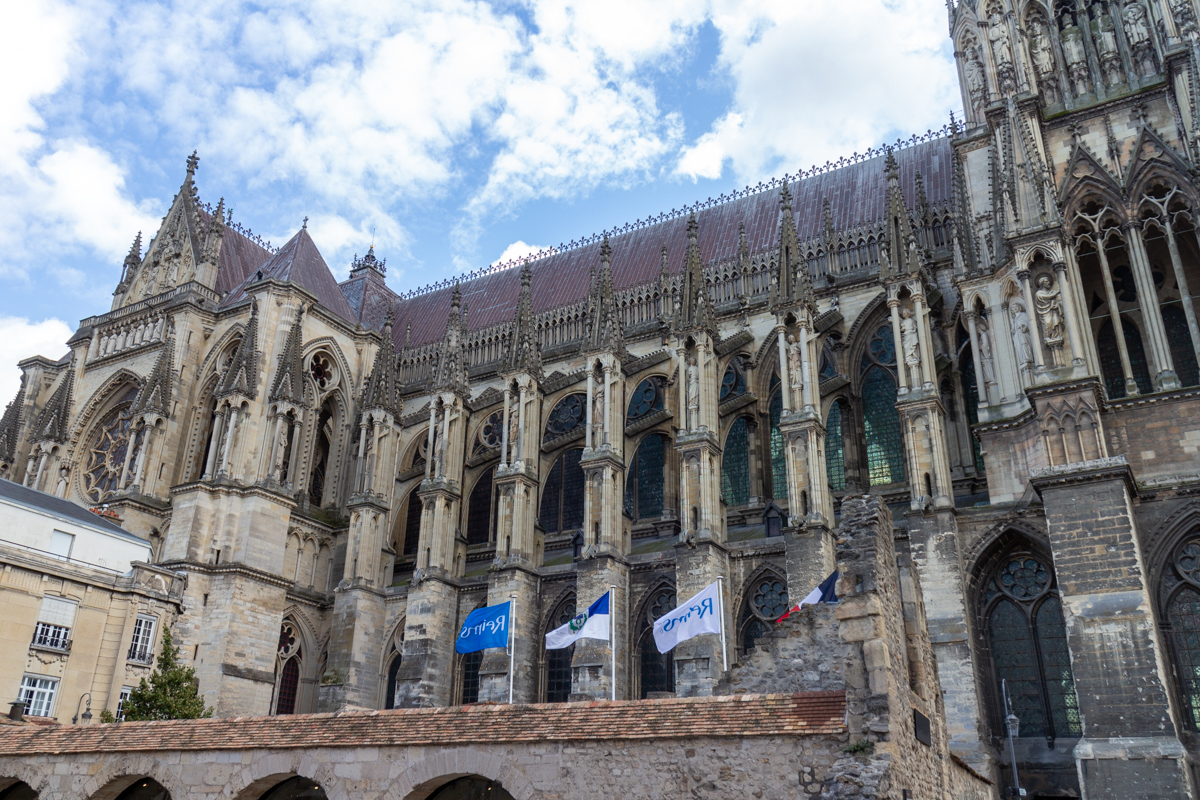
[[484, 628]]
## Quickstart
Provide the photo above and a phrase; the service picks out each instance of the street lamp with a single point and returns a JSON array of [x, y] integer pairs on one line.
[[1013, 724], [87, 713]]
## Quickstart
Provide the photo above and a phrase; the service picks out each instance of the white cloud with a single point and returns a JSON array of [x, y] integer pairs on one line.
[[518, 250], [20, 339]]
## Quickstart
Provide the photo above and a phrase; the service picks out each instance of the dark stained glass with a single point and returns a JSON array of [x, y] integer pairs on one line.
[[735, 465], [647, 399], [1016, 663], [490, 433], [289, 682], [562, 494], [479, 509], [1183, 355], [835, 450], [644, 487], [885, 446], [752, 631], [389, 700], [106, 455], [1056, 664], [657, 669], [770, 598], [412, 524], [779, 482], [1110, 358], [566, 416], [733, 383], [1184, 616], [558, 662], [966, 370], [470, 677], [550, 512]]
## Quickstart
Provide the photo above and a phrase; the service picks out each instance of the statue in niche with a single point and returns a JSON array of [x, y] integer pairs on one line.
[[1185, 19], [1022, 343], [1073, 52], [1048, 302], [514, 433], [1137, 33], [795, 366], [1002, 51], [280, 448], [985, 352], [598, 414], [976, 81], [1105, 33], [1043, 60], [910, 346], [63, 474], [693, 394]]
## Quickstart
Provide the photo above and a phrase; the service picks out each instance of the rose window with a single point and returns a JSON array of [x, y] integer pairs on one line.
[[491, 432], [106, 455], [661, 605], [1024, 578], [770, 599], [322, 371], [566, 416]]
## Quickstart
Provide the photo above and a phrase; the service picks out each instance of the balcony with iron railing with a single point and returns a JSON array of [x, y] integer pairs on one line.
[[52, 637]]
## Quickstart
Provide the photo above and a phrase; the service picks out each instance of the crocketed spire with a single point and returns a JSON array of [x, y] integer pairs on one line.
[[241, 376], [383, 386], [289, 377]]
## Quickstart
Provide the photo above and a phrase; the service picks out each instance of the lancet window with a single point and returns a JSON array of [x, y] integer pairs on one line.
[[481, 509], [558, 662], [779, 482], [288, 655], [646, 479], [1180, 601], [469, 685], [885, 442], [735, 464], [970, 393], [835, 448], [411, 535], [656, 670], [321, 452], [1028, 642], [562, 494]]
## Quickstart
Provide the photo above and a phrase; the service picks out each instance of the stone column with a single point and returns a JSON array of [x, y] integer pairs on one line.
[[977, 363], [607, 402], [504, 429], [591, 665], [430, 456], [1064, 286], [41, 469], [785, 384], [901, 369], [522, 456], [214, 443], [1110, 296], [1165, 378], [924, 341], [1189, 309], [591, 395], [1036, 335]]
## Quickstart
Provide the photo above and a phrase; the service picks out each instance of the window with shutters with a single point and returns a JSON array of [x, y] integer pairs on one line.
[[53, 629]]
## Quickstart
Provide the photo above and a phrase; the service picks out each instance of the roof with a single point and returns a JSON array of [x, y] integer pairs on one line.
[[301, 263], [238, 257], [856, 193], [805, 714], [58, 507]]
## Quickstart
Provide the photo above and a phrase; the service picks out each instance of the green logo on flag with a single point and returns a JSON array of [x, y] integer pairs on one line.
[[577, 622]]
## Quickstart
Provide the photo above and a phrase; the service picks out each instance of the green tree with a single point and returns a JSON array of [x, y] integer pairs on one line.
[[171, 691]]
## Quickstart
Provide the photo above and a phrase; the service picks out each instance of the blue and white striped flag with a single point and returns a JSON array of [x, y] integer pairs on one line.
[[595, 623]]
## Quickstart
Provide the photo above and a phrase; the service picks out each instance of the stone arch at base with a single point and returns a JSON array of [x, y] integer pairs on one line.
[[426, 776], [16, 789], [276, 768], [141, 786]]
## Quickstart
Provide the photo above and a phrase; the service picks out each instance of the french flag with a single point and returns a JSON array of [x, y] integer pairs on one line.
[[822, 594]]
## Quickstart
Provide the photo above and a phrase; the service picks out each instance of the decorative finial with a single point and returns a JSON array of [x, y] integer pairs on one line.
[[304, 225], [193, 161]]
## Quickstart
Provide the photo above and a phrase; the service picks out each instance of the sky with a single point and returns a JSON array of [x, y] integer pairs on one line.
[[452, 134]]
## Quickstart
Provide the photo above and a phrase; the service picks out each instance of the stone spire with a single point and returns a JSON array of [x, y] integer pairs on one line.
[[792, 282], [53, 423], [10, 426], [289, 376], [525, 352], [603, 330], [382, 390], [905, 255], [241, 376], [451, 375], [132, 262], [695, 304], [155, 395]]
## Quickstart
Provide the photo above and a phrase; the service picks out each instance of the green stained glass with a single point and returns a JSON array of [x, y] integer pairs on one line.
[[735, 465], [1015, 658], [1056, 664], [885, 446], [835, 452], [779, 480]]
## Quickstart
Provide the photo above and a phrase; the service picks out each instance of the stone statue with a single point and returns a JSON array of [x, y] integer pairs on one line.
[[693, 394], [998, 36], [61, 489], [976, 82], [1185, 19], [597, 415], [1022, 343], [1048, 302], [1106, 45], [985, 352], [910, 345], [1043, 60], [280, 448], [1136, 29], [795, 367], [514, 433], [1072, 44]]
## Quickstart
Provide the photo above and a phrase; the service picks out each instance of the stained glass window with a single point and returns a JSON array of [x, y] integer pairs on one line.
[[733, 383], [647, 399], [1183, 355], [470, 677], [562, 494], [835, 450], [389, 700], [316, 484], [644, 486], [412, 524], [885, 445], [1110, 358], [779, 482], [558, 662], [479, 509], [1181, 591], [826, 369], [106, 456], [1029, 648], [735, 464], [289, 682], [566, 416], [769, 598], [966, 370], [490, 433], [657, 669]]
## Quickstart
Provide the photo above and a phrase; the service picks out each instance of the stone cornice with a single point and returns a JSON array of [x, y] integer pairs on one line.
[[1084, 472]]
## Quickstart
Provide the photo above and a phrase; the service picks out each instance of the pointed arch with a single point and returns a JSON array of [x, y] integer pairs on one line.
[[655, 671], [557, 677], [764, 599]]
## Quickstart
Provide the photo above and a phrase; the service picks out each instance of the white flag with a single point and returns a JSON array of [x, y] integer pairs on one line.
[[591, 624], [699, 614]]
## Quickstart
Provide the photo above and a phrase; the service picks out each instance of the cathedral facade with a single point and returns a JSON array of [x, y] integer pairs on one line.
[[993, 327]]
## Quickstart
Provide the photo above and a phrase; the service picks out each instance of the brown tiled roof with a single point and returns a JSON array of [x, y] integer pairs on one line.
[[301, 263], [239, 256], [856, 195], [810, 713]]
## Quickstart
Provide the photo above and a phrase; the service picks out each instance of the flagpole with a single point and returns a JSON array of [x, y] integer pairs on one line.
[[612, 635], [512, 644], [721, 611]]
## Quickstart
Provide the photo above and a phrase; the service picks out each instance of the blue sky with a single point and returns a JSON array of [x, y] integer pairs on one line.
[[456, 133]]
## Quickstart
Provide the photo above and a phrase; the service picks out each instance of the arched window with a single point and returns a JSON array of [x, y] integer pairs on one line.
[[568, 415], [835, 449], [647, 399], [412, 524], [562, 494], [766, 601], [881, 421], [316, 483], [970, 389], [107, 450], [1180, 594], [657, 670], [491, 434], [558, 662], [470, 677], [735, 464], [779, 481], [389, 699], [1110, 358], [1028, 643], [1182, 354], [733, 383], [644, 484], [289, 655], [481, 508]]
